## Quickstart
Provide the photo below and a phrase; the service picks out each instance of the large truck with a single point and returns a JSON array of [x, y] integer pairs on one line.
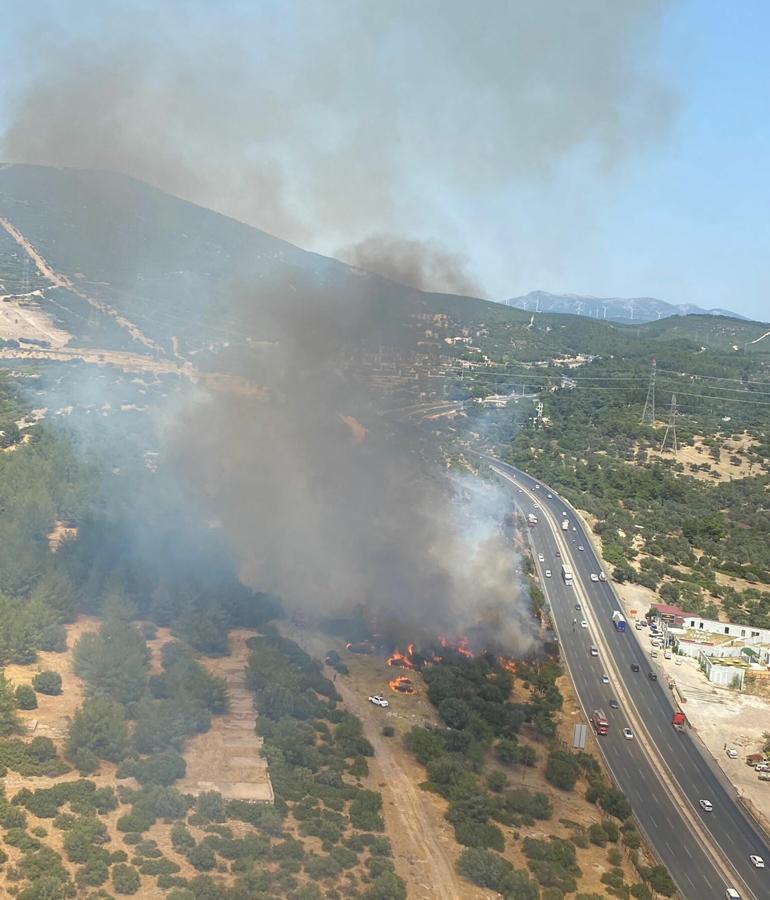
[[531, 519], [565, 524], [566, 574], [599, 721], [678, 720], [618, 621]]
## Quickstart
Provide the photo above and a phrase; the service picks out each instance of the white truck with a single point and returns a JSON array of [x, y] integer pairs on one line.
[[618, 620], [566, 574], [565, 524]]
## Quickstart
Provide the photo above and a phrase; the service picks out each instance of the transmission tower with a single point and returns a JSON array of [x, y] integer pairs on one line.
[[671, 427], [648, 413]]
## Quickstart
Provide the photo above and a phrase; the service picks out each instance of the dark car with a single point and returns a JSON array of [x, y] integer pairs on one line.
[[558, 554], [614, 704], [577, 607], [634, 667], [652, 676]]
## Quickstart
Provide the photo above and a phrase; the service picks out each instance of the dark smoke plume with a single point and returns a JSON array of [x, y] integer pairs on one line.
[[327, 507], [415, 263]]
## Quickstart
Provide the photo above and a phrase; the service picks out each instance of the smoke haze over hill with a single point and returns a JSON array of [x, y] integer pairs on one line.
[[333, 122]]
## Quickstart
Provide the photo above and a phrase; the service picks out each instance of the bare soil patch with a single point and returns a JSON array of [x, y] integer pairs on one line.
[[227, 757]]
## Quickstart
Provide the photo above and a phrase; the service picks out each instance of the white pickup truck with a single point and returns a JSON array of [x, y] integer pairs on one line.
[[379, 700]]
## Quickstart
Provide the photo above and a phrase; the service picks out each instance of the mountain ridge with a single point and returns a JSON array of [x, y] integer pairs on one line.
[[624, 310]]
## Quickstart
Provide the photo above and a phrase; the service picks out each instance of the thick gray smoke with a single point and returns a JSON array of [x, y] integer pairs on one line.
[[325, 507], [412, 262], [326, 122]]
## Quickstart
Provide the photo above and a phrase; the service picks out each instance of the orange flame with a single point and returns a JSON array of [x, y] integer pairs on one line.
[[507, 664], [401, 684], [397, 658]]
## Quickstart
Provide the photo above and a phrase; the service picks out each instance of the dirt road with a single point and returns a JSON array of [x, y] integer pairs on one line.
[[424, 850]]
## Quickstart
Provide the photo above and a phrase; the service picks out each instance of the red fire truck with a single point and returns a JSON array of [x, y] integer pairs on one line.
[[678, 720], [599, 721]]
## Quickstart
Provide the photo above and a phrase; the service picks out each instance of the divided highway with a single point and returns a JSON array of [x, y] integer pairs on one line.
[[663, 773]]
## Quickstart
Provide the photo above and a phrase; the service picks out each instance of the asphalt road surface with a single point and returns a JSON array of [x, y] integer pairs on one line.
[[663, 772]]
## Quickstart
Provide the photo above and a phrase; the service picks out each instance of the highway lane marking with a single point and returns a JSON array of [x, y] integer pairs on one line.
[[687, 850], [699, 831]]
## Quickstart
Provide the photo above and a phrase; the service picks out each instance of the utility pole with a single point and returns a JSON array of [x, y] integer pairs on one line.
[[649, 403], [671, 427], [539, 413]]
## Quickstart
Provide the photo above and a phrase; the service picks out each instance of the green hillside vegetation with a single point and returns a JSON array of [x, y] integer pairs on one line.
[[659, 525]]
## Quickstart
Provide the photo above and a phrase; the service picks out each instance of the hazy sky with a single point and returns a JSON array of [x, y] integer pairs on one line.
[[596, 147]]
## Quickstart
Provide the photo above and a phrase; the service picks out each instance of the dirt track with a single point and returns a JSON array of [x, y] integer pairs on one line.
[[422, 858]]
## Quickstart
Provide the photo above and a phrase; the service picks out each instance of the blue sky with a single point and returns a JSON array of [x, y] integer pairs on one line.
[[623, 149]]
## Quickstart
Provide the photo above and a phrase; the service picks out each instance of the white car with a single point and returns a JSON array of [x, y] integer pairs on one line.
[[594, 576], [541, 557], [706, 805], [535, 506], [580, 546], [757, 861], [602, 576], [594, 651], [605, 679], [732, 753], [550, 496], [379, 700], [584, 624], [628, 734], [547, 573]]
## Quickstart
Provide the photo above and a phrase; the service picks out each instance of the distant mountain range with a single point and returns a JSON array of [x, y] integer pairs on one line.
[[612, 309]]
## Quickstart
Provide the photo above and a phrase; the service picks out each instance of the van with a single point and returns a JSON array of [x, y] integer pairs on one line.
[[594, 651], [732, 894]]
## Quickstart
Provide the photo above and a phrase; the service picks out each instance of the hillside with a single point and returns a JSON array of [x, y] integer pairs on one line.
[[176, 272], [610, 309]]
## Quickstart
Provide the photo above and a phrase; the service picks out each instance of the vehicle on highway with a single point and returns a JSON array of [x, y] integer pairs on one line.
[[599, 721], [706, 805], [541, 557], [618, 620], [565, 524], [535, 506], [593, 576], [550, 496], [566, 574], [547, 573], [531, 519], [732, 753], [678, 719], [602, 576], [757, 861], [379, 700], [614, 703], [580, 547], [577, 607], [594, 651], [634, 667], [605, 679], [557, 554], [652, 676], [628, 734], [732, 894], [537, 487], [584, 624]]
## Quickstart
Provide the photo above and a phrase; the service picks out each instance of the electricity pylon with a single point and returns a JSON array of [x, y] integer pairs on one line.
[[671, 427], [649, 404]]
